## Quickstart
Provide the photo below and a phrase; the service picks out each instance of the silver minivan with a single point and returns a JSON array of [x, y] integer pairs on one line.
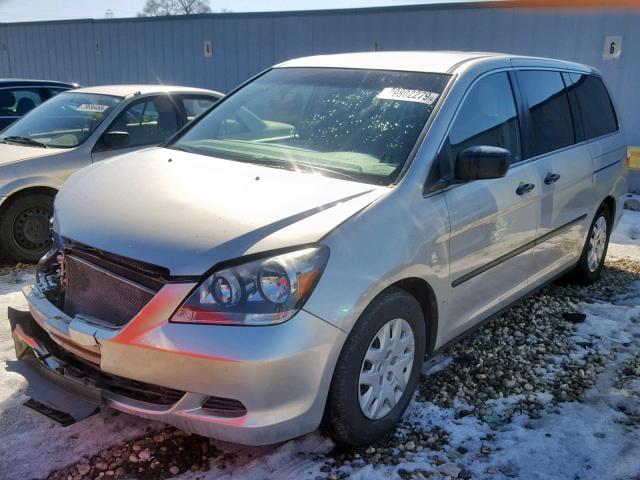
[[288, 259]]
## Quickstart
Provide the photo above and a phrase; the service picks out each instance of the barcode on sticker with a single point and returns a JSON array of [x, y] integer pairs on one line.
[[408, 95], [91, 107]]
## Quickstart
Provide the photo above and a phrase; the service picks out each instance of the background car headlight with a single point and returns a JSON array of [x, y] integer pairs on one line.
[[259, 292]]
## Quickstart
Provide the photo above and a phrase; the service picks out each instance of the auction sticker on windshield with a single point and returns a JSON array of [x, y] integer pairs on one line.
[[91, 107], [408, 95]]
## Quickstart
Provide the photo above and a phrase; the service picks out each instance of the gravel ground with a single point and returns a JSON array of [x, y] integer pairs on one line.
[[523, 364], [8, 267]]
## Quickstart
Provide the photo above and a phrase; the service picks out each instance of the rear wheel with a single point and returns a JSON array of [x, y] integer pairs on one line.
[[377, 371], [591, 261], [25, 225]]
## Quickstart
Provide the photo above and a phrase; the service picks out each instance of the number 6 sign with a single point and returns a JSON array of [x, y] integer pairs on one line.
[[612, 47]]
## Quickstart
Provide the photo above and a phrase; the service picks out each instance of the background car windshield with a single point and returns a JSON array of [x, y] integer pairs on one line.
[[353, 123], [65, 121]]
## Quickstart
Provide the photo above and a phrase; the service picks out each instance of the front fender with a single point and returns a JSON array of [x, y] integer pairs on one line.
[[19, 184], [391, 240]]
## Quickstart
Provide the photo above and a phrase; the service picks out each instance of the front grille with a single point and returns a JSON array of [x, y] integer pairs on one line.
[[143, 392], [133, 389], [95, 292]]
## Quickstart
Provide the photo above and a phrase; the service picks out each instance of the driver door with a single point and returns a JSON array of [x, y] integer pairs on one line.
[[493, 222]]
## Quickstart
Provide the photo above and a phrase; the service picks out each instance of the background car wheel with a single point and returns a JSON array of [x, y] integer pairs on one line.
[[377, 371], [594, 252], [24, 227]]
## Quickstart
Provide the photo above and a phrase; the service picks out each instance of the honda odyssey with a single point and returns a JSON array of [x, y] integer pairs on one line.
[[288, 259]]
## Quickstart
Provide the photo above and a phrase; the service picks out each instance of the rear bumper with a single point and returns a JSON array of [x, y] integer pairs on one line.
[[280, 374]]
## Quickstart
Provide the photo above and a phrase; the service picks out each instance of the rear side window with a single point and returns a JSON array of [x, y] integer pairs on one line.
[[194, 106], [594, 104], [487, 117], [17, 102], [549, 112]]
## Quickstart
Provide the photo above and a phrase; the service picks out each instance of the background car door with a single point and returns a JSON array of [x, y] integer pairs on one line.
[[147, 121], [493, 222], [565, 171]]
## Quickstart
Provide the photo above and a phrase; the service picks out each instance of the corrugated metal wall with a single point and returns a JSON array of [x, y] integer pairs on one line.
[[171, 50]]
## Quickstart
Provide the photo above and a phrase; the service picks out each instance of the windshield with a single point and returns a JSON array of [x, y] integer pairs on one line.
[[65, 121], [358, 124]]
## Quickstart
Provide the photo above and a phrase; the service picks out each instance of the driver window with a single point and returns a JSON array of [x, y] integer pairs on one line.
[[487, 117], [148, 122]]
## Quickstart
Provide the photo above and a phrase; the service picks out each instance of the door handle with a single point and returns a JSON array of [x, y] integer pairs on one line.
[[551, 178], [525, 188]]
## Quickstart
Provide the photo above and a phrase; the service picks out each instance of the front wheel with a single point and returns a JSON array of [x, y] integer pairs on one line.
[[377, 371], [591, 261], [24, 227]]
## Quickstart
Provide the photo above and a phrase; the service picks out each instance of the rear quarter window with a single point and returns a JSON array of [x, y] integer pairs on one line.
[[594, 104]]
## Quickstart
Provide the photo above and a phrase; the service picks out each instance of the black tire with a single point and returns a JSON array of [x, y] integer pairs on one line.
[[343, 419], [582, 274], [24, 227]]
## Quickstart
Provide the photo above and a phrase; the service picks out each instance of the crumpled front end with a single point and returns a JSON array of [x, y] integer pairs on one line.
[[102, 322]]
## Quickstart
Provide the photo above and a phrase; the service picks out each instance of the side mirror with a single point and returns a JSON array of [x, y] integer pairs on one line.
[[481, 162], [115, 140]]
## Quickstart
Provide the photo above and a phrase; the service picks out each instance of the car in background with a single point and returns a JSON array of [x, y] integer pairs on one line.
[[73, 130], [18, 96]]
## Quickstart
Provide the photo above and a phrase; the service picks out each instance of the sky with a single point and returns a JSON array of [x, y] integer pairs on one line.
[[31, 10]]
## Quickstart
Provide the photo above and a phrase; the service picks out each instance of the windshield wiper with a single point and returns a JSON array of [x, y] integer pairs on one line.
[[289, 165], [330, 171], [279, 163], [180, 149], [25, 140]]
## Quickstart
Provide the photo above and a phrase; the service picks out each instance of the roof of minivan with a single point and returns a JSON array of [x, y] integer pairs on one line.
[[410, 61], [126, 90]]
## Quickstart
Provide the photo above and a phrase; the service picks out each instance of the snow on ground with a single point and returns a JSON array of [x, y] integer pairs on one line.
[[597, 437], [625, 240], [30, 444], [585, 440]]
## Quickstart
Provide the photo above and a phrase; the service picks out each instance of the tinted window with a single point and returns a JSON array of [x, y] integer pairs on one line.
[[487, 117], [550, 115], [16, 102], [194, 106], [594, 104], [147, 122]]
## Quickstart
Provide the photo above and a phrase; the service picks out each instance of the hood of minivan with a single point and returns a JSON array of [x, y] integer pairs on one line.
[[10, 153], [187, 212]]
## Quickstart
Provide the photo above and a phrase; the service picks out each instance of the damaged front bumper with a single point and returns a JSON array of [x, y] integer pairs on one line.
[[248, 385]]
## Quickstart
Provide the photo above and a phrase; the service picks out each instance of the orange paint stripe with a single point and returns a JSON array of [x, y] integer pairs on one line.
[[25, 338], [570, 4]]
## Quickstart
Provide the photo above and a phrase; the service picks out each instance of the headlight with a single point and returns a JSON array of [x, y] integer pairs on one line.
[[260, 292]]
